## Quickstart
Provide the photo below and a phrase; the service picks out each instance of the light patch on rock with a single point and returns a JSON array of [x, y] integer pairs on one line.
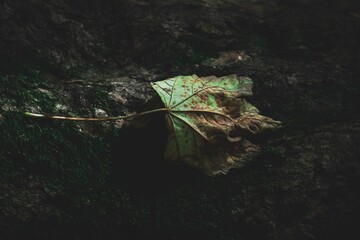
[[100, 113], [226, 59], [45, 91], [60, 107], [292, 79], [8, 107], [117, 97], [119, 123], [33, 108]]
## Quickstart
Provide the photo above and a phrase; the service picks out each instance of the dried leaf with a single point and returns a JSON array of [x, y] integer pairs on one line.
[[207, 118]]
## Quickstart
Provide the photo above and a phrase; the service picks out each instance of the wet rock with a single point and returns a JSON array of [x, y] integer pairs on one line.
[[97, 180], [226, 59]]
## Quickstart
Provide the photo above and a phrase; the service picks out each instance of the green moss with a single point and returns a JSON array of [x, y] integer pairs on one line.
[[98, 97], [69, 169], [21, 90], [54, 151]]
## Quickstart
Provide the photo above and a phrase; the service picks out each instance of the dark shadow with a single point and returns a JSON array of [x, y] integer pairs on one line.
[[138, 164]]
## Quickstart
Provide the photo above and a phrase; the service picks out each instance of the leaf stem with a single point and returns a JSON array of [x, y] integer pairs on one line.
[[37, 115]]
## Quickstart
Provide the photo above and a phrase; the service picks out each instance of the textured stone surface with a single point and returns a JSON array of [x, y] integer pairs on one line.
[[103, 181]]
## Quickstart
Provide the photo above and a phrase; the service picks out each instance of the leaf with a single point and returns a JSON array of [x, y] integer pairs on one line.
[[208, 119]]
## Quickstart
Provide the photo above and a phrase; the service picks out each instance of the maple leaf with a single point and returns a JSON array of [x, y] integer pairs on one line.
[[207, 118]]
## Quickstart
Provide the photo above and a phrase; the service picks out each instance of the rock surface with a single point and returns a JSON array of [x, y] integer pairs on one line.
[[63, 180]]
